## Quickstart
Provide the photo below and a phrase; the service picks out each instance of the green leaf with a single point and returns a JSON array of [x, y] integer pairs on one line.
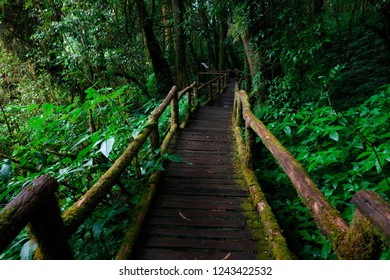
[[326, 249], [334, 135], [287, 129], [175, 158], [305, 234], [6, 171], [91, 93], [82, 140], [106, 146]]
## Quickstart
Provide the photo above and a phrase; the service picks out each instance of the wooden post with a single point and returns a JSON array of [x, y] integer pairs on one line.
[[250, 141], [154, 138], [189, 103], [17, 214], [195, 96], [175, 117], [238, 113], [370, 226], [361, 242], [47, 229]]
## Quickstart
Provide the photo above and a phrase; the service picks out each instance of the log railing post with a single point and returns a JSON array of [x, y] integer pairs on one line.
[[195, 96], [376, 209], [154, 138], [361, 242], [48, 231], [189, 102], [369, 228], [175, 117], [250, 141], [238, 112]]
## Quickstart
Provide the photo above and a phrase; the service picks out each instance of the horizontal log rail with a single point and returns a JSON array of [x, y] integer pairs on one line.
[[36, 204], [372, 210]]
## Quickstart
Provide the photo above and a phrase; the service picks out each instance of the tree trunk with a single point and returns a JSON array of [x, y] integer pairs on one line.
[[166, 11], [223, 30], [160, 65], [249, 54], [181, 73]]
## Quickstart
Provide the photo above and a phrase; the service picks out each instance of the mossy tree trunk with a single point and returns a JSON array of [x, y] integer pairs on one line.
[[160, 65], [181, 62]]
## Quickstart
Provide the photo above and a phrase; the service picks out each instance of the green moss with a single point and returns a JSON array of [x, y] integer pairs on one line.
[[361, 241]]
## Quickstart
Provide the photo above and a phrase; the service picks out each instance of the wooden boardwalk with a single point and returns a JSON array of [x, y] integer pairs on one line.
[[201, 211]]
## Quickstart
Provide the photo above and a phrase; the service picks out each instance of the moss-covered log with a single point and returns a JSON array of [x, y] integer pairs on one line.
[[326, 216], [376, 209], [17, 214]]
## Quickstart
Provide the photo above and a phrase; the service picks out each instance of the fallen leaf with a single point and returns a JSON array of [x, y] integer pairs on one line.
[[227, 256], [184, 217]]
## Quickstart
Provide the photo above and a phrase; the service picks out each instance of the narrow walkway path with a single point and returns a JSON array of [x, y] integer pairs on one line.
[[200, 210]]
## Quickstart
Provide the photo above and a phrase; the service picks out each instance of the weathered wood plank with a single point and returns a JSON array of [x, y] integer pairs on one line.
[[242, 245], [161, 254], [197, 205], [207, 199], [206, 191], [199, 213], [195, 233], [183, 222]]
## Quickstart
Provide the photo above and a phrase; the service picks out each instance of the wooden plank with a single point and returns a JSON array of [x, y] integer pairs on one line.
[[209, 182], [206, 191], [201, 198], [195, 233], [198, 146], [184, 167], [162, 254], [181, 222], [197, 205], [242, 245], [201, 176], [200, 187], [172, 212]]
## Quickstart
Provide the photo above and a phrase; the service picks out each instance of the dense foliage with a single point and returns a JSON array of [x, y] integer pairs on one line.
[[79, 78]]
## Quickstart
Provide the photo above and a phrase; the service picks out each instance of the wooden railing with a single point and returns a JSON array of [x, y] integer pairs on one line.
[[371, 222], [36, 204]]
